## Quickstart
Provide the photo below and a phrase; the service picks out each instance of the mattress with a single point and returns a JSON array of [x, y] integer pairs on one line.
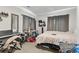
[[55, 37]]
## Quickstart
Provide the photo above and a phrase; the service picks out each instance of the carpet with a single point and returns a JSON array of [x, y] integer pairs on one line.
[[30, 48]]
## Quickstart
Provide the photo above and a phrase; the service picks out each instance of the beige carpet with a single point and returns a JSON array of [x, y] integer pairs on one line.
[[30, 48]]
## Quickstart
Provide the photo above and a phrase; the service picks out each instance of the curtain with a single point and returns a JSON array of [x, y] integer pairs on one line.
[[33, 24], [28, 23], [25, 23], [50, 24], [58, 23]]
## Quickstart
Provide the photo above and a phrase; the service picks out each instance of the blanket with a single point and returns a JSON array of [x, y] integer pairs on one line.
[[6, 45], [55, 37]]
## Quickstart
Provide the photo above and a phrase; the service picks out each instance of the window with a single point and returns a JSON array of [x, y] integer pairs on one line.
[[29, 23], [58, 23], [14, 22]]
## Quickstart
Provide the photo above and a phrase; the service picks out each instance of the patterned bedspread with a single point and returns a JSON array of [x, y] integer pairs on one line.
[[55, 37]]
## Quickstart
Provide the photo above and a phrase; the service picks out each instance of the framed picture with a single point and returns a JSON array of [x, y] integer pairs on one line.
[[14, 23], [40, 23], [43, 23]]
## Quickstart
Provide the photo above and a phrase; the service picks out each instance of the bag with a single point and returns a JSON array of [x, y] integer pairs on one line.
[[50, 46], [76, 48], [31, 39]]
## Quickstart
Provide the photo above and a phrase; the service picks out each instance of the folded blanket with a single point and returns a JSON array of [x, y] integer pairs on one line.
[[9, 41]]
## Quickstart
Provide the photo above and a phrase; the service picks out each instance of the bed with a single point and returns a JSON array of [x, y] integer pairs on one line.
[[54, 37]]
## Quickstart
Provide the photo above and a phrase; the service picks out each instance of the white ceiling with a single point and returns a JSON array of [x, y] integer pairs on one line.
[[38, 10]]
